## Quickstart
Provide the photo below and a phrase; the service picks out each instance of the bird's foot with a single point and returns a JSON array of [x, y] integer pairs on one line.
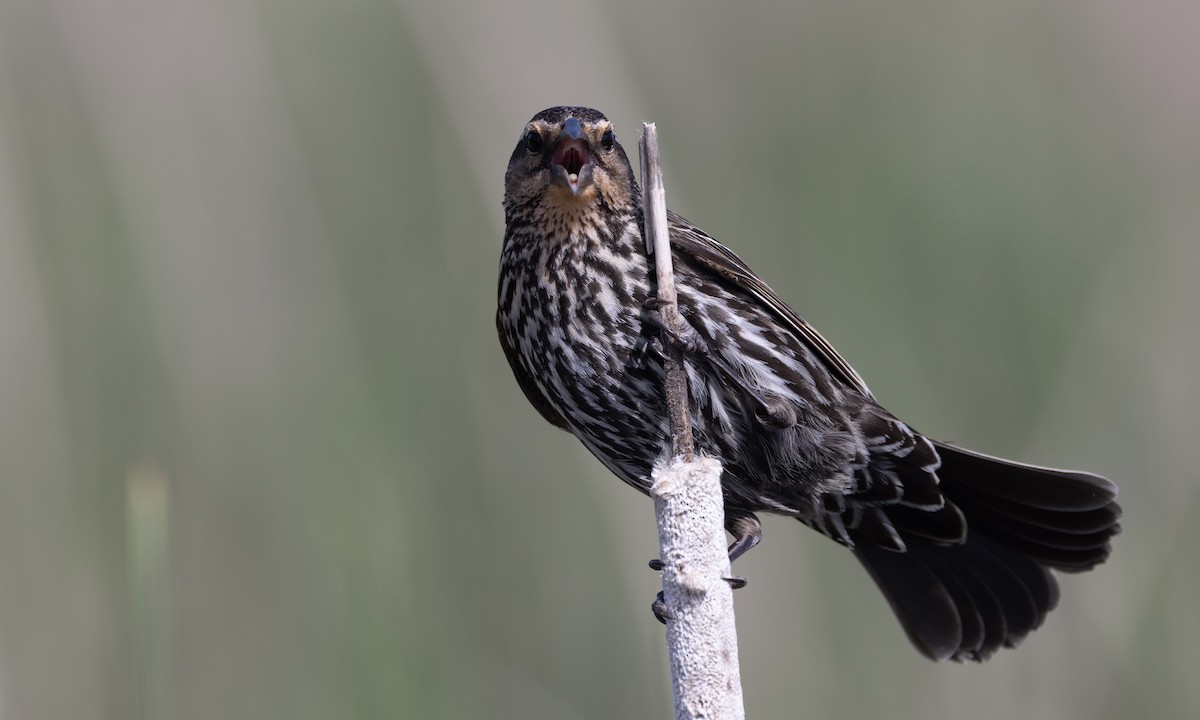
[[659, 606], [737, 582], [683, 337]]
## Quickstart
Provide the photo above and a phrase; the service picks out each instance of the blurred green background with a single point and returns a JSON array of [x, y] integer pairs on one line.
[[261, 455]]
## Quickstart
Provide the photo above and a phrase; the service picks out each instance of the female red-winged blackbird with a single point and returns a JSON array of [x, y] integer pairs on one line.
[[960, 543]]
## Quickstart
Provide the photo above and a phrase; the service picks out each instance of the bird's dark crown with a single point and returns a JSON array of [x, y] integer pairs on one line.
[[556, 115]]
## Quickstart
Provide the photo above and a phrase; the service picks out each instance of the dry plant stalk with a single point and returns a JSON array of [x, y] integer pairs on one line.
[[701, 633]]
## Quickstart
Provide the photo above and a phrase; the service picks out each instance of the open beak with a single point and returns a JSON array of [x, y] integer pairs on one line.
[[571, 159]]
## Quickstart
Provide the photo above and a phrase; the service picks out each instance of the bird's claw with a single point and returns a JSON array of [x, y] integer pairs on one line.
[[645, 348], [659, 608]]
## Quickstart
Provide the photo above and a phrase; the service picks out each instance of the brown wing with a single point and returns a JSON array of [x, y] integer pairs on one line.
[[696, 244], [528, 386]]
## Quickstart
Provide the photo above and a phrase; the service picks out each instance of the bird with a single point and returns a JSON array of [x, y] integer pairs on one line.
[[963, 545]]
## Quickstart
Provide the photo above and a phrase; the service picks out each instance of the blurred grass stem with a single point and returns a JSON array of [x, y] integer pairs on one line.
[[149, 528]]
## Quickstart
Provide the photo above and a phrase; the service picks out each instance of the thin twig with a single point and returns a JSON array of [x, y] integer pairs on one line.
[[689, 507], [658, 244]]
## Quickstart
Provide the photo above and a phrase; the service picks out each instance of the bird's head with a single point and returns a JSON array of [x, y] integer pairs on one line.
[[566, 161]]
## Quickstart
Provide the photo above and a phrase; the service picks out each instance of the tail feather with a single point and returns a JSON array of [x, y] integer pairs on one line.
[[964, 600], [945, 526], [927, 610], [1062, 518], [1083, 522], [1028, 485], [1063, 550], [977, 608]]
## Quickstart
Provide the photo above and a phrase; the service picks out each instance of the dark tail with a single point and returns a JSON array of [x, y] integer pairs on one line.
[[965, 601]]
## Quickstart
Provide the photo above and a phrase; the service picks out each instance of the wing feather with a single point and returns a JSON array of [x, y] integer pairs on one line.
[[700, 247]]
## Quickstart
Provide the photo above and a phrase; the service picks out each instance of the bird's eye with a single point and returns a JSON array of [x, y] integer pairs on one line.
[[608, 139], [533, 141]]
